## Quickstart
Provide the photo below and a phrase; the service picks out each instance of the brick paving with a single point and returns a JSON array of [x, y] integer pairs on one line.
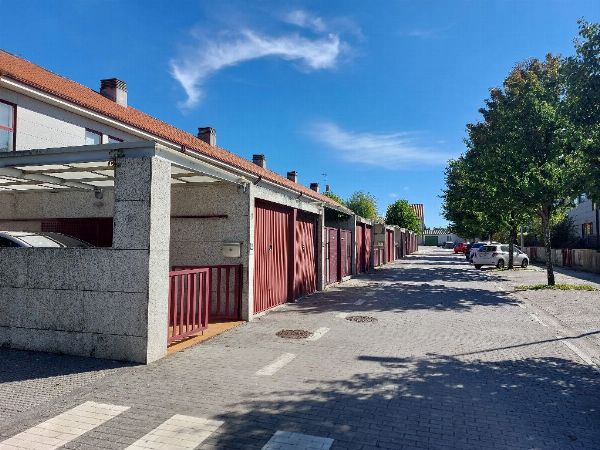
[[454, 360]]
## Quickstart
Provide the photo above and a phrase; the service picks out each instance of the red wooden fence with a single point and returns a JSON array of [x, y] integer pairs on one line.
[[188, 303]]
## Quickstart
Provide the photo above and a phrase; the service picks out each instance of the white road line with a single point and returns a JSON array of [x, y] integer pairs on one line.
[[359, 302], [318, 334], [65, 427], [538, 320], [342, 315], [298, 441], [177, 433], [280, 362], [578, 352]]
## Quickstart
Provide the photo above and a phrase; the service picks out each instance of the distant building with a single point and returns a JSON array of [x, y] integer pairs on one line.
[[439, 236], [584, 218], [419, 210]]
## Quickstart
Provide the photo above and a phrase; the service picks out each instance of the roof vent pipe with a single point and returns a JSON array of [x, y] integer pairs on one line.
[[327, 188], [260, 160], [293, 176], [208, 135], [115, 90], [314, 187]]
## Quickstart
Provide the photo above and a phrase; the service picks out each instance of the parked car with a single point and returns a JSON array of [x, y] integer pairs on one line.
[[39, 239], [497, 255], [473, 249], [449, 244], [460, 248]]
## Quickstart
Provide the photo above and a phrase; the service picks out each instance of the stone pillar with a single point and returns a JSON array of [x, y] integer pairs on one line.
[[141, 225]]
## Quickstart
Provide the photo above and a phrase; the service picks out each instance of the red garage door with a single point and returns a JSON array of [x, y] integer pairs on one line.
[[305, 255], [389, 234], [332, 255], [345, 253], [271, 255]]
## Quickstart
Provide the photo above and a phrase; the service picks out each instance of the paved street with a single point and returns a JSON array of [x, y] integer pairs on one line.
[[455, 359]]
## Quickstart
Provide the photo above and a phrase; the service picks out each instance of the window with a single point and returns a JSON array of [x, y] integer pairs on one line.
[[5, 243], [587, 229], [7, 126], [92, 137], [114, 140]]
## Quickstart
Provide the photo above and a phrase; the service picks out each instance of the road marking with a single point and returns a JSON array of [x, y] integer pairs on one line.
[[342, 315], [298, 441], [538, 320], [359, 302], [318, 334], [578, 352], [62, 429], [177, 433], [280, 362]]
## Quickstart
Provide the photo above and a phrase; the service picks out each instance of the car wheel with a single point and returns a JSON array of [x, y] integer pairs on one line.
[[524, 263], [500, 264], [478, 266]]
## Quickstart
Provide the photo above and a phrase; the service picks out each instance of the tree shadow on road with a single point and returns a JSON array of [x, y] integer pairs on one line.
[[437, 401]]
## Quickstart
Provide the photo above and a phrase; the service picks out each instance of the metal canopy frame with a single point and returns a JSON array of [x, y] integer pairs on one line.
[[92, 167]]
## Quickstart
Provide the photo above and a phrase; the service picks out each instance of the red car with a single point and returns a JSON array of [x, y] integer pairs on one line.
[[460, 248]]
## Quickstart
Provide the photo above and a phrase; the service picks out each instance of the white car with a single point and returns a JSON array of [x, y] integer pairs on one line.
[[497, 255], [39, 239]]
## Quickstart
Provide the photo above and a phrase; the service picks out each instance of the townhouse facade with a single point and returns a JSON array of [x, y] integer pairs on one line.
[[184, 233]]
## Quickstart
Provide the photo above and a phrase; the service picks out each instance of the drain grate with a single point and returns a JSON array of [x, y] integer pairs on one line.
[[361, 319], [293, 334]]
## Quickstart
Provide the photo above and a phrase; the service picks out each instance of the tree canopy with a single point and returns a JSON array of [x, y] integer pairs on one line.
[[363, 204], [402, 214], [334, 197]]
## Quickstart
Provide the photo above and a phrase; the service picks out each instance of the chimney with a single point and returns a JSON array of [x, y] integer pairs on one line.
[[208, 135], [260, 160], [115, 90], [293, 175], [314, 187], [327, 188]]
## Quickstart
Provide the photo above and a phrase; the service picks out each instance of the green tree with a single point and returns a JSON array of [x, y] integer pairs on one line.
[[582, 76], [402, 214], [536, 128], [334, 197], [363, 204]]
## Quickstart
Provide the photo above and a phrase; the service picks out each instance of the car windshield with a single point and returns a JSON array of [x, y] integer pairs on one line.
[[36, 240], [488, 248]]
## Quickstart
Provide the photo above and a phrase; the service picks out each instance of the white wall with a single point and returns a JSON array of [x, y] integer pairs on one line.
[[583, 213], [40, 125]]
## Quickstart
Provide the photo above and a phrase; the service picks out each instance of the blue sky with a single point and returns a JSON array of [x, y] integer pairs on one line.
[[370, 96]]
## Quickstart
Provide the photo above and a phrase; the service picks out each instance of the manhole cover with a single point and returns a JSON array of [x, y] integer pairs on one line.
[[293, 334], [361, 319]]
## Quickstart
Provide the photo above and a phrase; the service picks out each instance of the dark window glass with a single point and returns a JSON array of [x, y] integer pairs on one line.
[[7, 127]]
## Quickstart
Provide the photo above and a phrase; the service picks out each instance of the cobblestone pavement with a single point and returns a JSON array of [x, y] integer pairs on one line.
[[454, 360]]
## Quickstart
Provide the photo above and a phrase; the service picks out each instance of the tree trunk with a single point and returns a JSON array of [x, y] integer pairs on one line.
[[546, 215], [511, 245]]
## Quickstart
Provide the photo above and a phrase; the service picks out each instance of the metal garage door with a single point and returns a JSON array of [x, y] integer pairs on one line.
[[431, 240], [271, 255], [345, 253], [305, 257], [331, 255], [389, 234]]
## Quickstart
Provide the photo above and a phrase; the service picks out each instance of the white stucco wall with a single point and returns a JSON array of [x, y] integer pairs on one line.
[[584, 212], [40, 125]]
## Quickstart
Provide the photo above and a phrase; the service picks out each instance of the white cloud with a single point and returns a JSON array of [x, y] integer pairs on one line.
[[210, 55], [305, 20], [388, 150]]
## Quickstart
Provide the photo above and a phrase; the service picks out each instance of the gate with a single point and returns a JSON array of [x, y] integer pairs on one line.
[[332, 255], [305, 254], [189, 292], [345, 253], [389, 235], [271, 256]]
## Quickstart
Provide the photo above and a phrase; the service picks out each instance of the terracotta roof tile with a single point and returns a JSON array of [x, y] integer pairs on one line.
[[37, 77]]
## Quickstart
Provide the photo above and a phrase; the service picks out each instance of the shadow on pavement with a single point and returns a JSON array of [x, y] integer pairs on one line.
[[434, 402]]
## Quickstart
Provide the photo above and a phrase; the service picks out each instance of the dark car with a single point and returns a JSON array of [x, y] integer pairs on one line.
[[40, 240]]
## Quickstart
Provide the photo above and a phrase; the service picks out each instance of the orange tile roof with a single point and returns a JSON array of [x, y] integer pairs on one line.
[[419, 210], [21, 70]]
